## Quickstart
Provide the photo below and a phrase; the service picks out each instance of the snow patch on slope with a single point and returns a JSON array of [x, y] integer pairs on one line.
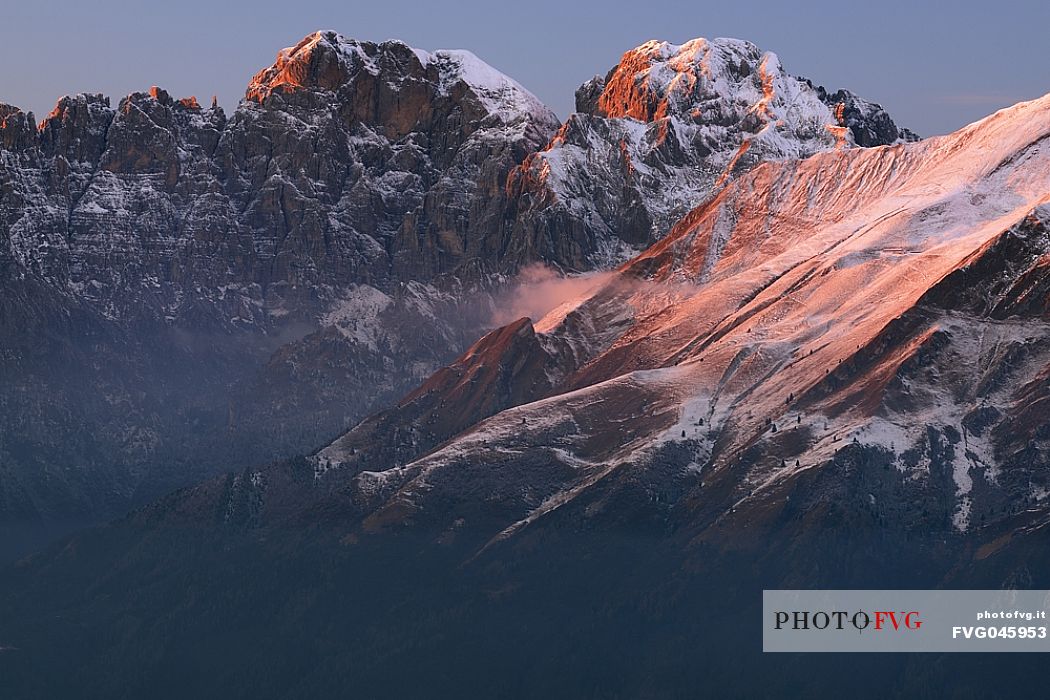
[[502, 95], [356, 315]]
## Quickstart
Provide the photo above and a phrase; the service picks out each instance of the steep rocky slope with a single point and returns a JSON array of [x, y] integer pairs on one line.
[[197, 291], [832, 374], [348, 162], [241, 287], [861, 334]]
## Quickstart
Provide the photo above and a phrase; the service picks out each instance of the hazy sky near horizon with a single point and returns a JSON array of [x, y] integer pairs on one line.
[[934, 68]]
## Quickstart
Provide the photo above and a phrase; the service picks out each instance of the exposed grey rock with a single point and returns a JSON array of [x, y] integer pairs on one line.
[[238, 288], [244, 287]]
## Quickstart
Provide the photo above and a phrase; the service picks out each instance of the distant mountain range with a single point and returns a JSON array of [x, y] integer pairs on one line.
[[187, 292], [466, 403]]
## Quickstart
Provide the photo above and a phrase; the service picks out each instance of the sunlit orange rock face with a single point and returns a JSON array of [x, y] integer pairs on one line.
[[633, 90], [306, 65], [378, 84], [627, 93], [664, 129]]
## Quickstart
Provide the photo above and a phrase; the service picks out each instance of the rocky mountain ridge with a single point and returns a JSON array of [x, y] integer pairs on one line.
[[861, 334], [246, 285], [665, 129], [830, 372]]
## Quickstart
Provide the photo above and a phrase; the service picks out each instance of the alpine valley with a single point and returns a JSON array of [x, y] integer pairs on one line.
[[526, 408]]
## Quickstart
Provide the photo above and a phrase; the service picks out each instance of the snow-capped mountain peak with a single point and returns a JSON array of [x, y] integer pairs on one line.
[[337, 227], [669, 126], [329, 61], [704, 79]]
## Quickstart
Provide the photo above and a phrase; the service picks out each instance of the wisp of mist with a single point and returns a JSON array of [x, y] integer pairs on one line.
[[539, 289]]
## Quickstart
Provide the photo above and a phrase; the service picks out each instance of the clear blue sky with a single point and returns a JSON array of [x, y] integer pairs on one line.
[[934, 68]]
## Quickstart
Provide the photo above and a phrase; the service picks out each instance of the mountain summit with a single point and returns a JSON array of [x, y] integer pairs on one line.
[[783, 334], [665, 129], [292, 264], [250, 284], [363, 73], [797, 362]]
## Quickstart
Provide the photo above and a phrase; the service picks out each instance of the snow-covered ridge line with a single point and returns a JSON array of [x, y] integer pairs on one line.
[[803, 331], [669, 126]]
